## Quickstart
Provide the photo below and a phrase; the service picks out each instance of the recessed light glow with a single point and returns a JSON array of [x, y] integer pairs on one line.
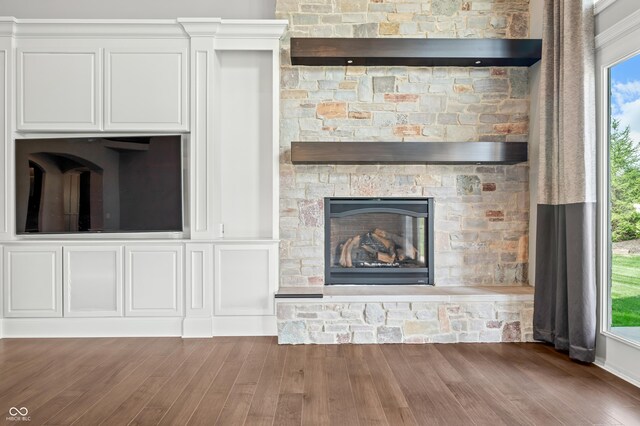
[[478, 62], [349, 61]]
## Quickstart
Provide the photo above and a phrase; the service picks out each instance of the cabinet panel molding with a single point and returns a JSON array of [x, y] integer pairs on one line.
[[59, 89], [93, 281], [146, 88], [153, 280], [33, 281], [245, 279]]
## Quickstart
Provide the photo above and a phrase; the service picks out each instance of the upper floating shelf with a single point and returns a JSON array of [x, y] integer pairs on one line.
[[456, 52], [409, 152]]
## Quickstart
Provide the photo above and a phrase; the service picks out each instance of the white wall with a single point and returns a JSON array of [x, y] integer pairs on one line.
[[133, 9]]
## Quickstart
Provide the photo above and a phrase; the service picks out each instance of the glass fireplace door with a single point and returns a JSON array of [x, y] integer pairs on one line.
[[378, 241]]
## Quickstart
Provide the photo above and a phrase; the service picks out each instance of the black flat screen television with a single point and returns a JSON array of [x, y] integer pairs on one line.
[[99, 185]]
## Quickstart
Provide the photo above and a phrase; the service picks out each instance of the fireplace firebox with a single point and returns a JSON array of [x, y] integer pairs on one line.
[[379, 241]]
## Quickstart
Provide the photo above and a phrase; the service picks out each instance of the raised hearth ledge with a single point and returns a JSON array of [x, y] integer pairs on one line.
[[404, 293], [405, 314]]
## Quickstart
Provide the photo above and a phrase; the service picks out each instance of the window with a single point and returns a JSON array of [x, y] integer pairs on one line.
[[624, 198]]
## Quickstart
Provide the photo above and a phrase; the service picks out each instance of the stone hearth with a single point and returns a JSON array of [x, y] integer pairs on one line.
[[395, 315]]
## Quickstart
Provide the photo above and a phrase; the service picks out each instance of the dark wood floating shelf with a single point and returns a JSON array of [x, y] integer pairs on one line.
[[408, 152], [458, 52]]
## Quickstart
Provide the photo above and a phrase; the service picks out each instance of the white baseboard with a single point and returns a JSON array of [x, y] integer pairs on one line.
[[197, 327], [245, 326], [138, 327], [90, 327], [616, 371]]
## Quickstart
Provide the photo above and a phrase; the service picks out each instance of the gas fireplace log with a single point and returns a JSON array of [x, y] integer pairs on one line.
[[409, 250], [386, 258], [355, 241], [343, 255]]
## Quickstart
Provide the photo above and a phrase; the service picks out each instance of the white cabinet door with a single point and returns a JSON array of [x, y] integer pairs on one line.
[[93, 281], [146, 87], [59, 89], [33, 281], [245, 279], [153, 281]]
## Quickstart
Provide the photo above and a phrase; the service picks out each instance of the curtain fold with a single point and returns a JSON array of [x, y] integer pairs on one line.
[[565, 293]]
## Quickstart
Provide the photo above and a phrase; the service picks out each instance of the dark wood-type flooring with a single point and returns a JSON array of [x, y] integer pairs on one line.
[[252, 380]]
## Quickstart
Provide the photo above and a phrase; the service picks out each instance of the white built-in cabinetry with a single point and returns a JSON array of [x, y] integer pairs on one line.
[[92, 281], [95, 85], [217, 82], [153, 281], [32, 281]]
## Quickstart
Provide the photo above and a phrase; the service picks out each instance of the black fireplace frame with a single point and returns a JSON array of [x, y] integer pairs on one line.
[[415, 207]]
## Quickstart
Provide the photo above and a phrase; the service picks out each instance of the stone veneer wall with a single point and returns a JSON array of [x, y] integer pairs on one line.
[[423, 322], [482, 212]]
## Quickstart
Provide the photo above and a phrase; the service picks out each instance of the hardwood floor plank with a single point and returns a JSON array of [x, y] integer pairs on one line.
[[215, 397], [236, 407], [315, 404], [293, 376], [289, 410], [254, 381], [395, 406], [522, 392], [120, 392], [191, 396], [110, 355], [66, 372], [367, 403], [416, 394], [494, 399], [110, 376], [265, 400], [342, 404], [162, 401]]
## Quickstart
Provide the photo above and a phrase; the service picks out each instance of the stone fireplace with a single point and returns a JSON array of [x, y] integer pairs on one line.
[[481, 218], [378, 241]]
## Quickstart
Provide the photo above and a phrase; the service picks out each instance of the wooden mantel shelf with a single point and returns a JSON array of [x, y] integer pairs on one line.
[[408, 152], [415, 52]]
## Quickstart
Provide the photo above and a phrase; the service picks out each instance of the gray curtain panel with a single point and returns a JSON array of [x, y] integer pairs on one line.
[[565, 293]]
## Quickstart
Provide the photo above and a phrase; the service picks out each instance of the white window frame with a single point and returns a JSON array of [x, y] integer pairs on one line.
[[612, 47]]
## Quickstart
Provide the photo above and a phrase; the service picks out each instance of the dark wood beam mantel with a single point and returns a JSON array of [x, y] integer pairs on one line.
[[409, 152], [415, 52]]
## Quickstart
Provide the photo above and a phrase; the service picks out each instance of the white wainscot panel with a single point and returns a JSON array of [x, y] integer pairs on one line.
[[92, 281], [33, 281], [146, 90], [245, 279], [153, 281], [59, 90]]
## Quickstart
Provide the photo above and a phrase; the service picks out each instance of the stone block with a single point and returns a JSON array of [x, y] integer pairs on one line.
[[374, 314], [446, 7], [490, 336], [468, 185], [389, 334], [389, 28], [511, 332], [490, 85], [322, 337], [399, 315], [479, 310], [469, 337], [292, 332], [285, 311], [444, 338], [384, 84], [363, 337], [332, 110], [425, 328]]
